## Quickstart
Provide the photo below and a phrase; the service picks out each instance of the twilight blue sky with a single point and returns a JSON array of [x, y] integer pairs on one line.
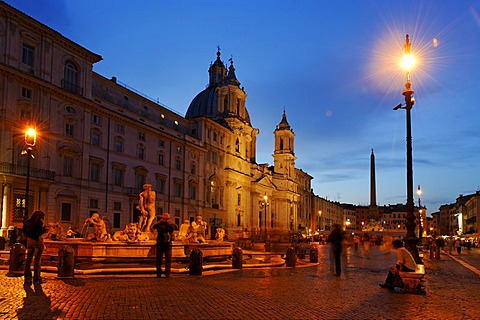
[[332, 65]]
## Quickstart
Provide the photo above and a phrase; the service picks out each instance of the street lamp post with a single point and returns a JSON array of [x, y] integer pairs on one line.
[[320, 215], [30, 140], [410, 240], [420, 214], [265, 204]]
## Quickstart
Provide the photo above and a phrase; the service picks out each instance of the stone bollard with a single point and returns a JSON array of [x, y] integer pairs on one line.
[[301, 252], [12, 235], [16, 264], [291, 259], [267, 246], [3, 243], [313, 253], [237, 258], [66, 263], [196, 262]]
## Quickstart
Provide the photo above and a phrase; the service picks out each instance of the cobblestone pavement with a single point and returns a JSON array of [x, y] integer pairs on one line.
[[304, 292]]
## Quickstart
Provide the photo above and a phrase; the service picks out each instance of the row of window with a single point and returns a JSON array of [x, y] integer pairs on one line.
[[70, 71], [214, 136]]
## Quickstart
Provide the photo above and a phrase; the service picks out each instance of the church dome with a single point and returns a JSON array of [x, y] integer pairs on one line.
[[203, 105], [223, 98]]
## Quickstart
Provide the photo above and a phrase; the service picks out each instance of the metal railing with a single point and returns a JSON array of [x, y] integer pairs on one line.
[[72, 87], [10, 168]]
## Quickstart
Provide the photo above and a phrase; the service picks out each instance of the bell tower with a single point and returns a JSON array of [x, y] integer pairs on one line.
[[284, 154]]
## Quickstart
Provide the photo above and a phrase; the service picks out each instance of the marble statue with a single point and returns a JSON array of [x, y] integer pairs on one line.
[[183, 231], [146, 205], [199, 226], [100, 228], [55, 231], [131, 233], [220, 234], [194, 234]]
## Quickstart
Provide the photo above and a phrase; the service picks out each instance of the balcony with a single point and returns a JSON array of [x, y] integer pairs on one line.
[[471, 220], [72, 87], [10, 168]]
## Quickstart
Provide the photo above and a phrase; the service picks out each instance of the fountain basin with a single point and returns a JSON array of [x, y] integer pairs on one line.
[[114, 252]]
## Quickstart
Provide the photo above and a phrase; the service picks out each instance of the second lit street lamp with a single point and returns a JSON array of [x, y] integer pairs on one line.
[[420, 215], [30, 140], [265, 204], [410, 240]]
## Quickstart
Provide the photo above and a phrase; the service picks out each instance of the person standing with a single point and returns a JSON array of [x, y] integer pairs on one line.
[[34, 229], [366, 245], [336, 239], [165, 228], [458, 245]]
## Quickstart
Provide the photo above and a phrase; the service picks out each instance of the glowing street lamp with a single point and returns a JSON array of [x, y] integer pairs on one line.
[[420, 214], [265, 204], [410, 240], [320, 215], [30, 140]]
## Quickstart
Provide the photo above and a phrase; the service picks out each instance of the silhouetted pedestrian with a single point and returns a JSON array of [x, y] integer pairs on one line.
[[336, 239], [458, 245], [165, 228], [34, 229]]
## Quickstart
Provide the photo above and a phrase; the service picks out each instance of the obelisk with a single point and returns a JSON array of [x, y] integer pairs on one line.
[[373, 209]]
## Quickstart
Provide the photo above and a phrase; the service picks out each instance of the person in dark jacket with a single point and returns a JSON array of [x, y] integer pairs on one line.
[[34, 229], [165, 228], [336, 241]]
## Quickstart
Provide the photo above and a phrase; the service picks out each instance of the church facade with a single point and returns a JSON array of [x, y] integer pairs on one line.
[[99, 141]]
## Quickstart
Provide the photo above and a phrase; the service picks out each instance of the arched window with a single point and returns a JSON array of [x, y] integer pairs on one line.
[[192, 189], [237, 145], [214, 192], [239, 220], [70, 77], [119, 142], [141, 151], [140, 180], [238, 107], [140, 177], [193, 169]]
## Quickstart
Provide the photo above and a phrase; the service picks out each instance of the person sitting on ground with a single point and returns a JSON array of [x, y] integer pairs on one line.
[[71, 233], [405, 263]]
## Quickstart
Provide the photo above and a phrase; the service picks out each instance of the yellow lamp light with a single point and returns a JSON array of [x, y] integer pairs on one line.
[[408, 61], [30, 137]]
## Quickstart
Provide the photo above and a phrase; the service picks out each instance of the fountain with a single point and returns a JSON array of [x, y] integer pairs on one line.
[[129, 245], [133, 245]]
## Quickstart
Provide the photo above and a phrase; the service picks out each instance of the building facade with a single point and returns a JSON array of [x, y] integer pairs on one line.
[[99, 141], [461, 217]]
